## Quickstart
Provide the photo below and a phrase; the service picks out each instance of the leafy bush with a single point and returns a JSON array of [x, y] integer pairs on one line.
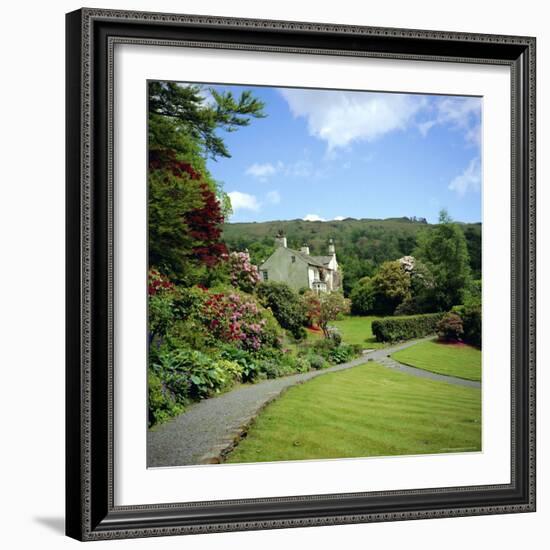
[[285, 305], [317, 361], [393, 329], [190, 374], [472, 325], [334, 353], [344, 353], [450, 327], [471, 320], [162, 402]]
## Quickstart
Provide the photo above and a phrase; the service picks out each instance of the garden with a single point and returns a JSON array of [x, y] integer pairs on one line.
[[214, 324]]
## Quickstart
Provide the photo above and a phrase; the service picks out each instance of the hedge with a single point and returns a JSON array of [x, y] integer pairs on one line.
[[393, 329]]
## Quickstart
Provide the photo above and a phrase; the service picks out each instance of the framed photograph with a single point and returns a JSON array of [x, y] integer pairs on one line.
[[300, 274]]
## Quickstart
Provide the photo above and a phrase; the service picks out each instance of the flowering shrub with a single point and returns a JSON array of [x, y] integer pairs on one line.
[[157, 282], [243, 275], [232, 317]]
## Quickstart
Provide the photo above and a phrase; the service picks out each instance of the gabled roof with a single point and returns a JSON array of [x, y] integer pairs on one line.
[[316, 261], [325, 260], [311, 260]]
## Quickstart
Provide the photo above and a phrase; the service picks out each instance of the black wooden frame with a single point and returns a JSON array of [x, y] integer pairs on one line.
[[90, 510]]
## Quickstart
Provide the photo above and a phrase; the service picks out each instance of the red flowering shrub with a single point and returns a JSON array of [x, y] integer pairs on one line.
[[238, 319], [157, 282]]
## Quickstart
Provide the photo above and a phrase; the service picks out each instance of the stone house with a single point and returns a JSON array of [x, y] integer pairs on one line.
[[300, 270]]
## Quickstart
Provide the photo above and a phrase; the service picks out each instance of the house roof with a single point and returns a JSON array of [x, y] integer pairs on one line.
[[325, 260], [317, 261], [311, 260]]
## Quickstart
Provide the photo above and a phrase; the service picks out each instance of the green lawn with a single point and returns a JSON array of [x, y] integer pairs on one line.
[[458, 360], [358, 330], [368, 410]]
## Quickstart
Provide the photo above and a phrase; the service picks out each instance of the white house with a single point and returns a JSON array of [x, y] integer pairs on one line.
[[300, 270]]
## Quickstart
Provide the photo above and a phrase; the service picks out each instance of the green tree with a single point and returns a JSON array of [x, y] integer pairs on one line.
[[443, 249], [362, 297], [193, 121], [391, 286]]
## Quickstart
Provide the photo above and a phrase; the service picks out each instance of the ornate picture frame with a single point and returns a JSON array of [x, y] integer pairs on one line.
[[91, 511]]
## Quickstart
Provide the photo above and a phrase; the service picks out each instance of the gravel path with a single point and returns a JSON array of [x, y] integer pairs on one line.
[[205, 430]]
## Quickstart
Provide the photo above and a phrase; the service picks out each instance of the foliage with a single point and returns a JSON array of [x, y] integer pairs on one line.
[[334, 352], [286, 305], [393, 329], [362, 297], [445, 252], [316, 361], [391, 285], [243, 275], [191, 374], [471, 319], [162, 402], [321, 308], [191, 115], [450, 327], [185, 219]]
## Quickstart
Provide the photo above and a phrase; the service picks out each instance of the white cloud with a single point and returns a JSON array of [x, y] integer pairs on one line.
[[469, 180], [261, 171], [313, 218], [274, 197], [243, 201], [461, 113], [340, 118], [338, 218]]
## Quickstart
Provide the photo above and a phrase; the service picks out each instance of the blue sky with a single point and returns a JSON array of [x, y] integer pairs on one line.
[[324, 154]]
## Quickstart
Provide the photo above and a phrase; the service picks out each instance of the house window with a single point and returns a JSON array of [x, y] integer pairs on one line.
[[264, 275], [293, 258]]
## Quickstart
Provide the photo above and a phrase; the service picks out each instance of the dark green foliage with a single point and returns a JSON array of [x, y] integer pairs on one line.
[[391, 285], [473, 241], [450, 327], [286, 306], [362, 297], [192, 375], [334, 352], [445, 253], [185, 107], [162, 402], [394, 329], [471, 320]]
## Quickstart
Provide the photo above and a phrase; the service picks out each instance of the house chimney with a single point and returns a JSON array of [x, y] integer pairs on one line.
[[331, 249], [305, 249], [280, 240]]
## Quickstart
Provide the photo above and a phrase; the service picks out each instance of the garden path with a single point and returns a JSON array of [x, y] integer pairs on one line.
[[209, 428]]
